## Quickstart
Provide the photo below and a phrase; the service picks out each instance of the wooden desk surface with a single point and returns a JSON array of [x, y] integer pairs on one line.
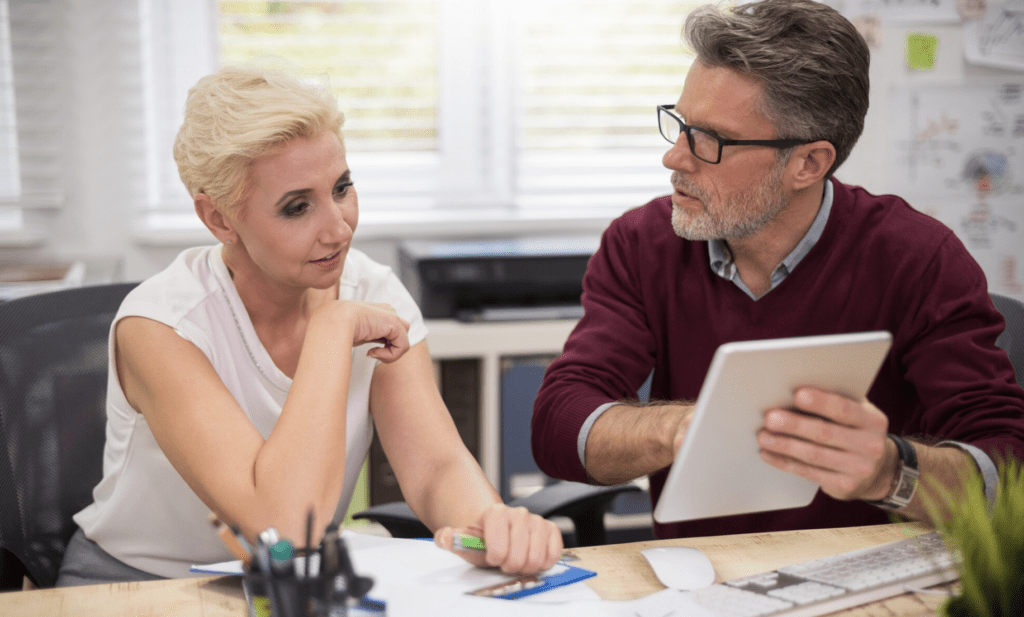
[[622, 574]]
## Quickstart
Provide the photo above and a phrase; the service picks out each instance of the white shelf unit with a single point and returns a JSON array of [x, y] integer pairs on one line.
[[490, 342]]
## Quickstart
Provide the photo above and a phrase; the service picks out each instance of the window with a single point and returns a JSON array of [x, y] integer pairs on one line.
[[30, 158], [527, 107], [588, 72], [10, 168], [380, 58]]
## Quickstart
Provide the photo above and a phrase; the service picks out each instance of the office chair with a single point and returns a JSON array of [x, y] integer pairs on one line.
[[53, 385], [1012, 339]]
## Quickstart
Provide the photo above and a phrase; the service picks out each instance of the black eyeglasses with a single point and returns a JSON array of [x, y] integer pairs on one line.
[[708, 146]]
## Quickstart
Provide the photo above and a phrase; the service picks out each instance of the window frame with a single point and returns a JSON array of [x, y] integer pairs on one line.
[[475, 174]]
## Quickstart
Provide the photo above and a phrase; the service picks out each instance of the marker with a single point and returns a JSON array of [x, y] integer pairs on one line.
[[231, 540], [466, 542], [331, 564], [281, 557], [310, 567], [269, 536]]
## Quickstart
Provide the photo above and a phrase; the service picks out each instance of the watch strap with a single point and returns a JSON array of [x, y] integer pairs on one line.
[[907, 473]]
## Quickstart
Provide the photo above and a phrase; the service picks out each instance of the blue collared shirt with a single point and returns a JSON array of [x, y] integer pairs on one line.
[[724, 266]]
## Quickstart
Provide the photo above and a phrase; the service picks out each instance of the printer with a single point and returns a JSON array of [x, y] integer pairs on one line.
[[497, 280]]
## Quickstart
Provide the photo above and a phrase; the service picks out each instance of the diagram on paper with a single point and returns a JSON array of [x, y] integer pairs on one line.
[[964, 140], [962, 158]]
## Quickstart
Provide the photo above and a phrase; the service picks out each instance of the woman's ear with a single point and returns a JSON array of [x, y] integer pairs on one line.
[[812, 163], [222, 227]]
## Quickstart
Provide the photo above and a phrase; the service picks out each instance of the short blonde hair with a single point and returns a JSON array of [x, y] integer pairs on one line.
[[239, 114]]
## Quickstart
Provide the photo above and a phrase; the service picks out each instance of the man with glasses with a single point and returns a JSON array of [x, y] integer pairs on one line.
[[758, 240]]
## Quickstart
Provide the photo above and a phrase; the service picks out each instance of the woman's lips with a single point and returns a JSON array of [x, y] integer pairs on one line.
[[328, 262]]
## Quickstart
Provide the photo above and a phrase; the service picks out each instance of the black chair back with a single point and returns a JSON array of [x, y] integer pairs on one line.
[[53, 386], [1012, 339]]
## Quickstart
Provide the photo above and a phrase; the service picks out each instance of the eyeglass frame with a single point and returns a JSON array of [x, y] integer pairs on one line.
[[686, 129]]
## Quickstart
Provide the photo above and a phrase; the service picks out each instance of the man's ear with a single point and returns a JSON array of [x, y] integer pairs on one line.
[[222, 227], [811, 162]]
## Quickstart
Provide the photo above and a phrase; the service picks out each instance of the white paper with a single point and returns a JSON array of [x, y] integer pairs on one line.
[[229, 568], [416, 578], [958, 155], [905, 11], [962, 141], [997, 39]]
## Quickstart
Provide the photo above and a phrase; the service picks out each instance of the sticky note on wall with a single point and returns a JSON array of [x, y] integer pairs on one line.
[[921, 50]]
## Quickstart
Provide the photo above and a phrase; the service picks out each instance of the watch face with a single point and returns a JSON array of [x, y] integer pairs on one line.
[[904, 492]]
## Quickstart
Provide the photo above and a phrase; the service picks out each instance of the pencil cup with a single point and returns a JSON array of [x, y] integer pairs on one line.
[[290, 596]]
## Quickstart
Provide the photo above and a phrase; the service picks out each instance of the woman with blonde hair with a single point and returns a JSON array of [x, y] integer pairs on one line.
[[247, 378]]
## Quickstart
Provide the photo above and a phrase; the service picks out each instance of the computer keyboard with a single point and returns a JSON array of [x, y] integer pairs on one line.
[[836, 582]]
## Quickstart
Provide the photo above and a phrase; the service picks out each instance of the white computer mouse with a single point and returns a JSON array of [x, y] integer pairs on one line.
[[680, 567]]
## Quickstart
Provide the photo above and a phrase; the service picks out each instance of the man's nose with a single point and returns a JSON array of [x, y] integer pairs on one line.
[[679, 157]]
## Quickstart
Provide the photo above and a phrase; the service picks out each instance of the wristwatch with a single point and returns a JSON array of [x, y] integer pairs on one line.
[[905, 482]]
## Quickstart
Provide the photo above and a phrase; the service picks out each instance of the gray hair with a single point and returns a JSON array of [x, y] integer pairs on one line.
[[811, 61]]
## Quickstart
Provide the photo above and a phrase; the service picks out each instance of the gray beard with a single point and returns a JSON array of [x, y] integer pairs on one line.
[[739, 217]]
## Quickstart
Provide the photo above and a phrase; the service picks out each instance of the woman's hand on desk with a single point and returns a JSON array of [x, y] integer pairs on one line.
[[516, 541]]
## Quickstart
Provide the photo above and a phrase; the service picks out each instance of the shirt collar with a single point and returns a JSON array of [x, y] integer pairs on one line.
[[721, 257]]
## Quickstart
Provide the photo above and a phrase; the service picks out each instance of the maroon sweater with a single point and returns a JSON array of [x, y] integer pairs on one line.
[[652, 301]]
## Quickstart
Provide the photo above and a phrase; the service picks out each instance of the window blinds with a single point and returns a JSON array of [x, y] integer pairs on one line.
[[30, 87], [590, 73], [10, 167], [530, 105], [380, 58]]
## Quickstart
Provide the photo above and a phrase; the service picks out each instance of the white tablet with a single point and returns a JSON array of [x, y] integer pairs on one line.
[[718, 470]]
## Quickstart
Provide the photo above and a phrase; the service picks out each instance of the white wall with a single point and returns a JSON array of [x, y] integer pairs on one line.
[[866, 165]]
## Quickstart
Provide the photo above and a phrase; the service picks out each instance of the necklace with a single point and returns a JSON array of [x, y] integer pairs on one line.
[[241, 332]]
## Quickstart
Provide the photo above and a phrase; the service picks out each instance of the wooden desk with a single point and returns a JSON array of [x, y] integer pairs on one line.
[[622, 574]]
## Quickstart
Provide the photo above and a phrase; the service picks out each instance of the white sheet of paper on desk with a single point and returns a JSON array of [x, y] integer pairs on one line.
[[229, 568], [415, 577], [398, 563], [389, 561]]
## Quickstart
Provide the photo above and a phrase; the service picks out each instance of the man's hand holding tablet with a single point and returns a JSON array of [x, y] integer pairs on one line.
[[807, 395]]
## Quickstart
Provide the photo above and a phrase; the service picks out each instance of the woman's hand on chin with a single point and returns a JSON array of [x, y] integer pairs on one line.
[[372, 322]]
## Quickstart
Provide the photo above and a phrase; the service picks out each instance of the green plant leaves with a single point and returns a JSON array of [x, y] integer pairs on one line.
[[991, 545]]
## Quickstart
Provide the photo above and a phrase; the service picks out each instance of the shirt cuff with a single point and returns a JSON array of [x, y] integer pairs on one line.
[[581, 441], [988, 470]]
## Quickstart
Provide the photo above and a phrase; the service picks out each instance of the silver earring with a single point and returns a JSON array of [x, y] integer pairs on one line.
[[228, 242]]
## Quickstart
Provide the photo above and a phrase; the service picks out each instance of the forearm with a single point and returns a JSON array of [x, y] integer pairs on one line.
[[302, 463], [629, 441], [439, 478], [943, 477], [456, 494]]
